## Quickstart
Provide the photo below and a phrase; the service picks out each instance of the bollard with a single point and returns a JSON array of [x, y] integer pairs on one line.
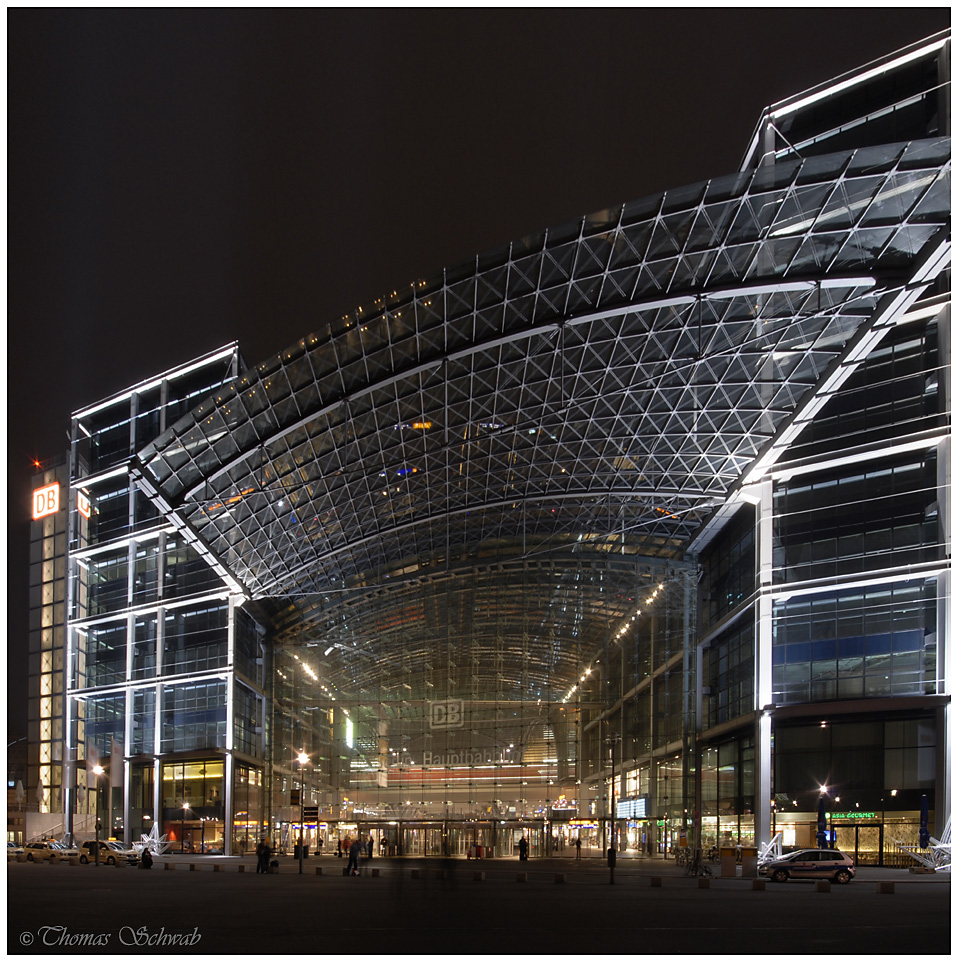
[[374, 872], [886, 888], [192, 866], [559, 878], [478, 876], [413, 874], [273, 870], [319, 870], [217, 866], [758, 885], [169, 866], [823, 885], [522, 876], [656, 881], [242, 867], [704, 883]]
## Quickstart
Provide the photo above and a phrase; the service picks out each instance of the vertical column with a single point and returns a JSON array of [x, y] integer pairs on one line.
[[763, 664], [230, 709], [157, 791]]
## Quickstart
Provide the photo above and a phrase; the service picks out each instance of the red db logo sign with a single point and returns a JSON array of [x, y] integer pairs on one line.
[[46, 501]]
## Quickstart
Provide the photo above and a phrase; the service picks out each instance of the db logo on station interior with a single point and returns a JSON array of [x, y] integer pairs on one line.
[[446, 714]]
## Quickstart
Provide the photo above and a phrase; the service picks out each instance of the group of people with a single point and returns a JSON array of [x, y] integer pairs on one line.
[[263, 852]]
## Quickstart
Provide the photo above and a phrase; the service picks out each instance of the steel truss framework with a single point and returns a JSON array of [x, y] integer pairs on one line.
[[548, 426]]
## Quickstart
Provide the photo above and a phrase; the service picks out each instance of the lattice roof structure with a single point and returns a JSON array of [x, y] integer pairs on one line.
[[550, 424]]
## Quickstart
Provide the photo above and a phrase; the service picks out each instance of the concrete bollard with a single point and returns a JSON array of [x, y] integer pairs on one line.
[[169, 866], [242, 867], [886, 888], [192, 866], [522, 876], [823, 885], [478, 876], [319, 870], [704, 883], [559, 878], [373, 871], [273, 870], [758, 885], [656, 881], [217, 866]]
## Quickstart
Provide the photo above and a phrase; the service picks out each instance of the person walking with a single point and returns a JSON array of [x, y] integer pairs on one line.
[[610, 858], [371, 845], [578, 848], [352, 866], [523, 849]]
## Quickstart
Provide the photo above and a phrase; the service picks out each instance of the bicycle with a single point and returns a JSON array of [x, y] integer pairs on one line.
[[696, 867]]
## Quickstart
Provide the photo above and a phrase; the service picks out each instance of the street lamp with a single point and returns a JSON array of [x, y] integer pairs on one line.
[[98, 770], [183, 828], [302, 758], [611, 741], [881, 834]]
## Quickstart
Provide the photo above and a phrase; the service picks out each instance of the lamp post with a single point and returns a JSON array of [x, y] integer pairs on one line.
[[881, 833], [303, 758], [97, 771], [611, 741], [183, 828]]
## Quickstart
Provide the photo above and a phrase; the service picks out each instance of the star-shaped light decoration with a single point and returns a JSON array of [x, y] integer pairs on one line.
[[154, 842]]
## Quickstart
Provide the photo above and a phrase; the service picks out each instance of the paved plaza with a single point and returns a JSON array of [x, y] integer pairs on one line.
[[431, 906]]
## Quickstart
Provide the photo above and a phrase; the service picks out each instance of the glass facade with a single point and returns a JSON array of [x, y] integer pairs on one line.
[[153, 631], [573, 540]]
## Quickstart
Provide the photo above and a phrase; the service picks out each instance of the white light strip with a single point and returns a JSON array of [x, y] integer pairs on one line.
[[153, 608], [786, 473], [156, 381], [139, 537], [82, 694], [857, 79], [97, 478], [880, 579]]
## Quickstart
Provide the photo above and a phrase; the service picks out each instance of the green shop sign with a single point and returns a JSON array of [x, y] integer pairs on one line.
[[853, 815]]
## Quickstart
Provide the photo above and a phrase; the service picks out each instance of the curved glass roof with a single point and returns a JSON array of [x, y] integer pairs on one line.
[[547, 426]]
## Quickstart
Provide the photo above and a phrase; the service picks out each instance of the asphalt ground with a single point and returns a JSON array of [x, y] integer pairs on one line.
[[89, 910]]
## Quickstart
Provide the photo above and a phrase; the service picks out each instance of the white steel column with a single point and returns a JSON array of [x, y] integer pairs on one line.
[[228, 767], [763, 663]]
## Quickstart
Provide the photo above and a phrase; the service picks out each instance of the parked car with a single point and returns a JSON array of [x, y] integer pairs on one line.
[[811, 863], [64, 851], [42, 851], [13, 850], [110, 852]]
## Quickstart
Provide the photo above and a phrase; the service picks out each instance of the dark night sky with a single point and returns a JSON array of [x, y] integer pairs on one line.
[[179, 179]]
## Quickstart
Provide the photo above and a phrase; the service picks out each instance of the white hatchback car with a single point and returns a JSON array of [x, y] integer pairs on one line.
[[826, 863]]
